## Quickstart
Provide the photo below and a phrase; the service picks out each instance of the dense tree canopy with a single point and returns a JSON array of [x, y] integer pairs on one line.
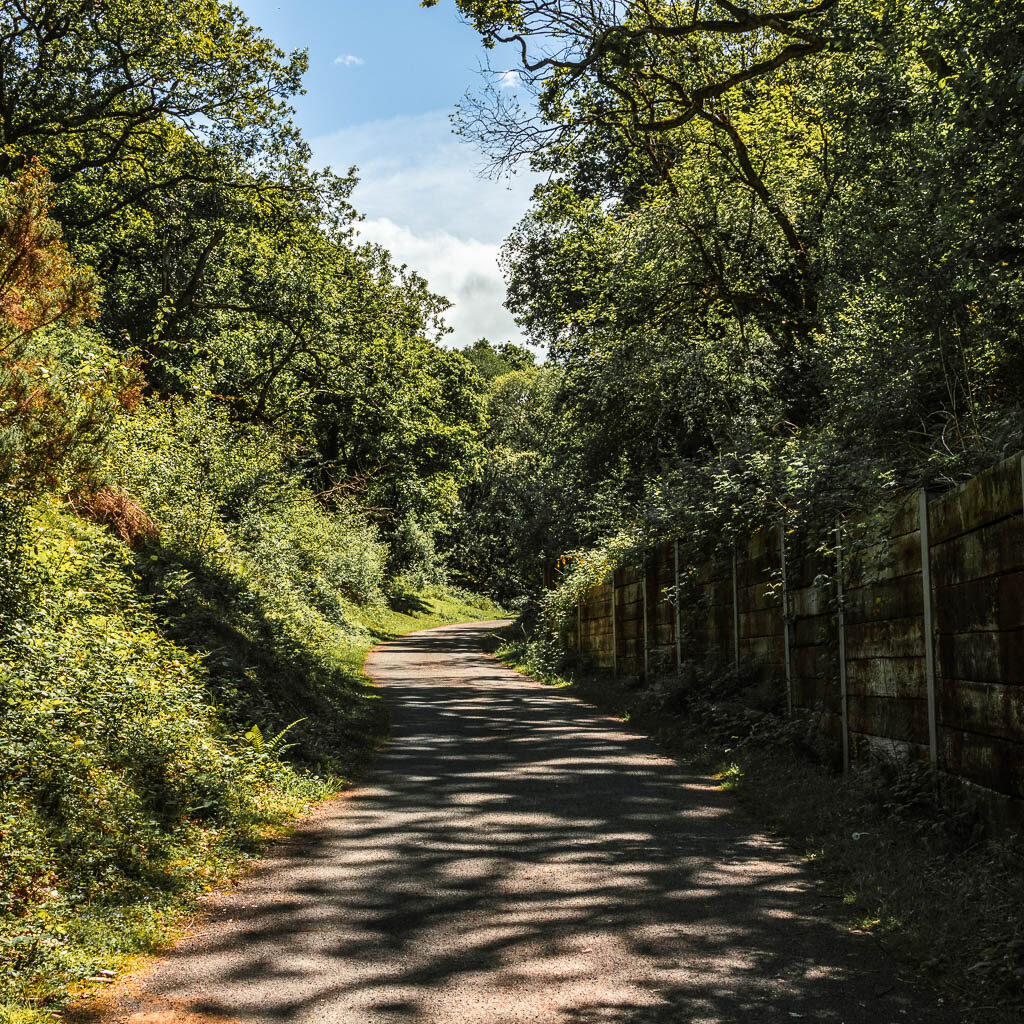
[[776, 259], [230, 272], [777, 245], [97, 85]]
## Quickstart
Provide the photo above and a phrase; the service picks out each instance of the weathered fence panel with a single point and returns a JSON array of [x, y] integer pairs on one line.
[[977, 565], [914, 648]]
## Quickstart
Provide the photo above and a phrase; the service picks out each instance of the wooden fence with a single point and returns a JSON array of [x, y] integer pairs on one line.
[[914, 648]]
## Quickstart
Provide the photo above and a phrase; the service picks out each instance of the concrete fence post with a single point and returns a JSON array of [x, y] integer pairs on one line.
[[929, 638], [615, 642], [735, 612], [646, 643], [679, 631], [843, 699], [785, 621]]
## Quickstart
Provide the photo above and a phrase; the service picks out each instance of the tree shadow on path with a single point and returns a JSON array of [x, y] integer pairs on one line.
[[518, 857]]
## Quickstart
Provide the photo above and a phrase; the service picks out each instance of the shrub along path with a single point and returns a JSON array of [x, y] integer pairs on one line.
[[518, 857]]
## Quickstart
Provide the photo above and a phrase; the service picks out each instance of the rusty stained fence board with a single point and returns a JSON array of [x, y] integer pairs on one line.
[[785, 620], [678, 625], [615, 640], [844, 705], [735, 613], [647, 645]]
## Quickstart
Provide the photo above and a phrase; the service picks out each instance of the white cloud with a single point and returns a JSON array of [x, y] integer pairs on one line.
[[508, 80], [348, 60], [425, 201], [464, 270]]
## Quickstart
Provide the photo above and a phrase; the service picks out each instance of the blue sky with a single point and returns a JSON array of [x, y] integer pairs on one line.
[[382, 80]]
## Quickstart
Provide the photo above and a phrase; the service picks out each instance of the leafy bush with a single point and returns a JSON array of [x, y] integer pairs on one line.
[[334, 559], [414, 558], [115, 758]]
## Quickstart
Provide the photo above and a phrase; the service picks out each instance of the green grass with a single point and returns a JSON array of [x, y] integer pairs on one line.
[[434, 606], [921, 874]]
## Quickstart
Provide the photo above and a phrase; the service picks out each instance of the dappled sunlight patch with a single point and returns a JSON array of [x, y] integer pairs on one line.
[[454, 886]]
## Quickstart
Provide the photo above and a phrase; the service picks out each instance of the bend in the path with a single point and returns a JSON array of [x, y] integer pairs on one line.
[[516, 856]]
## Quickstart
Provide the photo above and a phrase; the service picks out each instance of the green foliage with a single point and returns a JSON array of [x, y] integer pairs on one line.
[[776, 260], [120, 770], [512, 519], [228, 266], [60, 389], [193, 564], [403, 429], [541, 655], [90, 86], [495, 360], [129, 685], [222, 487], [414, 556], [275, 746]]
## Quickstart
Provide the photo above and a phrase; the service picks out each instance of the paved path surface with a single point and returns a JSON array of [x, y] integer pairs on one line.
[[518, 857]]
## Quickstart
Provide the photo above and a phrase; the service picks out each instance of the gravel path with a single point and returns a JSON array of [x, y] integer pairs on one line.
[[515, 856]]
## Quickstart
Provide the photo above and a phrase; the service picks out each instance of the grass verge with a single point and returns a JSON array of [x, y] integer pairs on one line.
[[921, 875]]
